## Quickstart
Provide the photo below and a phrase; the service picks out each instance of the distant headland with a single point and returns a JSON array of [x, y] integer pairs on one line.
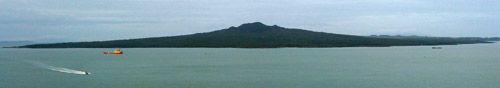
[[259, 35], [14, 43]]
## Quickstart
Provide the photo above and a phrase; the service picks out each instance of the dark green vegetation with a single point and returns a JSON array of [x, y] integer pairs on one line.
[[414, 37], [258, 35], [427, 37]]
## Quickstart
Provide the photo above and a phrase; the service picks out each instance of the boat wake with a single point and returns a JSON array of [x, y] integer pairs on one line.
[[59, 69]]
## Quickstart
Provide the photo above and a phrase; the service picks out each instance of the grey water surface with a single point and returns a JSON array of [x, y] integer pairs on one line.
[[454, 66]]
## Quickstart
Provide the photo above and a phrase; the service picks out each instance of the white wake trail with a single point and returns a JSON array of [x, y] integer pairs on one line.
[[58, 69], [65, 70]]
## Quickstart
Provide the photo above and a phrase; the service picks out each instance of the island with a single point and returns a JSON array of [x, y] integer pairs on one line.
[[14, 43], [259, 35]]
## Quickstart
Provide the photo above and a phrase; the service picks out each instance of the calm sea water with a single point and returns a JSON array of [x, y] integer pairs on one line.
[[459, 66]]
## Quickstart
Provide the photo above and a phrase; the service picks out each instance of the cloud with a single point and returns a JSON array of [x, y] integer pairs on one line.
[[119, 19], [432, 24], [67, 17]]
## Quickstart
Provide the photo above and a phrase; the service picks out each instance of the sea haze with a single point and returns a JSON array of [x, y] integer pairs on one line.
[[14, 43]]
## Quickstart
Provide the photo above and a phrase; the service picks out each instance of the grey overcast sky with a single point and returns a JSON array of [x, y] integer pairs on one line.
[[91, 20]]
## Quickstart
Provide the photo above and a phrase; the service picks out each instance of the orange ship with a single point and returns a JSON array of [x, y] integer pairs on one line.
[[116, 51]]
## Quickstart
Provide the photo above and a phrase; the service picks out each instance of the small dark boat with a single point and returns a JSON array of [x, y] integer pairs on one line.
[[437, 47]]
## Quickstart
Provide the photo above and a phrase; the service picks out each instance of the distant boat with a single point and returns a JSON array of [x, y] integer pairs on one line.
[[116, 51], [437, 47]]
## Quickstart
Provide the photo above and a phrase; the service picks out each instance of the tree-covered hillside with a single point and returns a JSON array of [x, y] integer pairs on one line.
[[258, 35]]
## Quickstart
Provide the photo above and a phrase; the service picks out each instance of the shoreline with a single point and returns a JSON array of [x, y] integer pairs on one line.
[[488, 42]]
